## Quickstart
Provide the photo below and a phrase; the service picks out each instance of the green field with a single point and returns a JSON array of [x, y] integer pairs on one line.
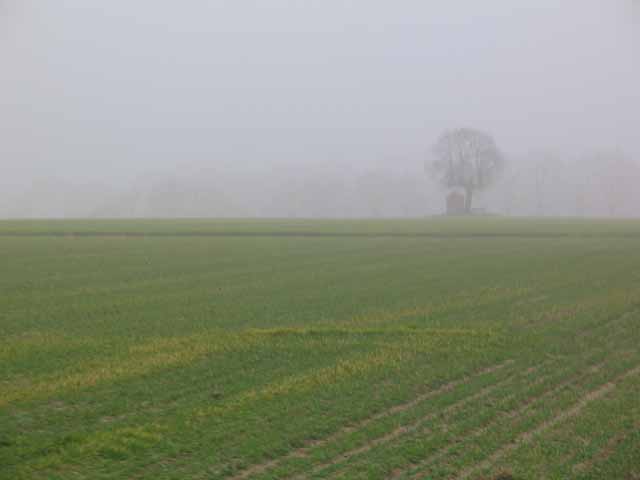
[[434, 349]]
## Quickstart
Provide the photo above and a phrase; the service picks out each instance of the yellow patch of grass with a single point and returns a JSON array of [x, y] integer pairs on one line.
[[460, 301], [392, 355], [137, 360]]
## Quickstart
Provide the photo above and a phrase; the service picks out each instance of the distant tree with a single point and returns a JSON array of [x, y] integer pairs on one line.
[[546, 167], [467, 159], [373, 188], [617, 177], [509, 192]]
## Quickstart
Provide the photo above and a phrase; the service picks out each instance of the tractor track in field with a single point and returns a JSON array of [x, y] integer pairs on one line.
[[479, 432], [404, 429], [601, 391], [605, 452], [304, 451], [526, 405], [525, 437], [417, 424]]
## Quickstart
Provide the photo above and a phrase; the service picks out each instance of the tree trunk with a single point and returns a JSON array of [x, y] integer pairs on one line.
[[468, 198]]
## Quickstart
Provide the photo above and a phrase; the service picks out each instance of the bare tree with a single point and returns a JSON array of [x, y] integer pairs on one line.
[[468, 159]]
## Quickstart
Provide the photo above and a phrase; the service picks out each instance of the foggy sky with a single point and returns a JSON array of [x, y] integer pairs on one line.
[[95, 92]]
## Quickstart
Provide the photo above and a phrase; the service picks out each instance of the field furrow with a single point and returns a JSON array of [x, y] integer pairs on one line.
[[304, 452], [528, 435], [564, 370], [311, 350]]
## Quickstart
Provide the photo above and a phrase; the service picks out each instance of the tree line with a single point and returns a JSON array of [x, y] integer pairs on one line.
[[537, 183]]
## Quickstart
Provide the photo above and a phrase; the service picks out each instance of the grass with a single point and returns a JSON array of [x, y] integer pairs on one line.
[[437, 348]]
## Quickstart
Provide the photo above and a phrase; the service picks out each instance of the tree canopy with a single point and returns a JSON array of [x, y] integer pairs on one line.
[[468, 159]]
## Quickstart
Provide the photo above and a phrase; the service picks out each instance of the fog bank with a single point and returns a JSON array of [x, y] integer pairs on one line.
[[312, 109]]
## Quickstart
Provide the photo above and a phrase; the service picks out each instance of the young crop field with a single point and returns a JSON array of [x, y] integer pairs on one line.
[[431, 349]]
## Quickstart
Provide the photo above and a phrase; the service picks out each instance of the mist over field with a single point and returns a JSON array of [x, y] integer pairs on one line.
[[319, 239], [314, 109]]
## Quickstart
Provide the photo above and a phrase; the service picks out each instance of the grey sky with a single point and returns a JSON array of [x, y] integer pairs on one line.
[[106, 91]]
